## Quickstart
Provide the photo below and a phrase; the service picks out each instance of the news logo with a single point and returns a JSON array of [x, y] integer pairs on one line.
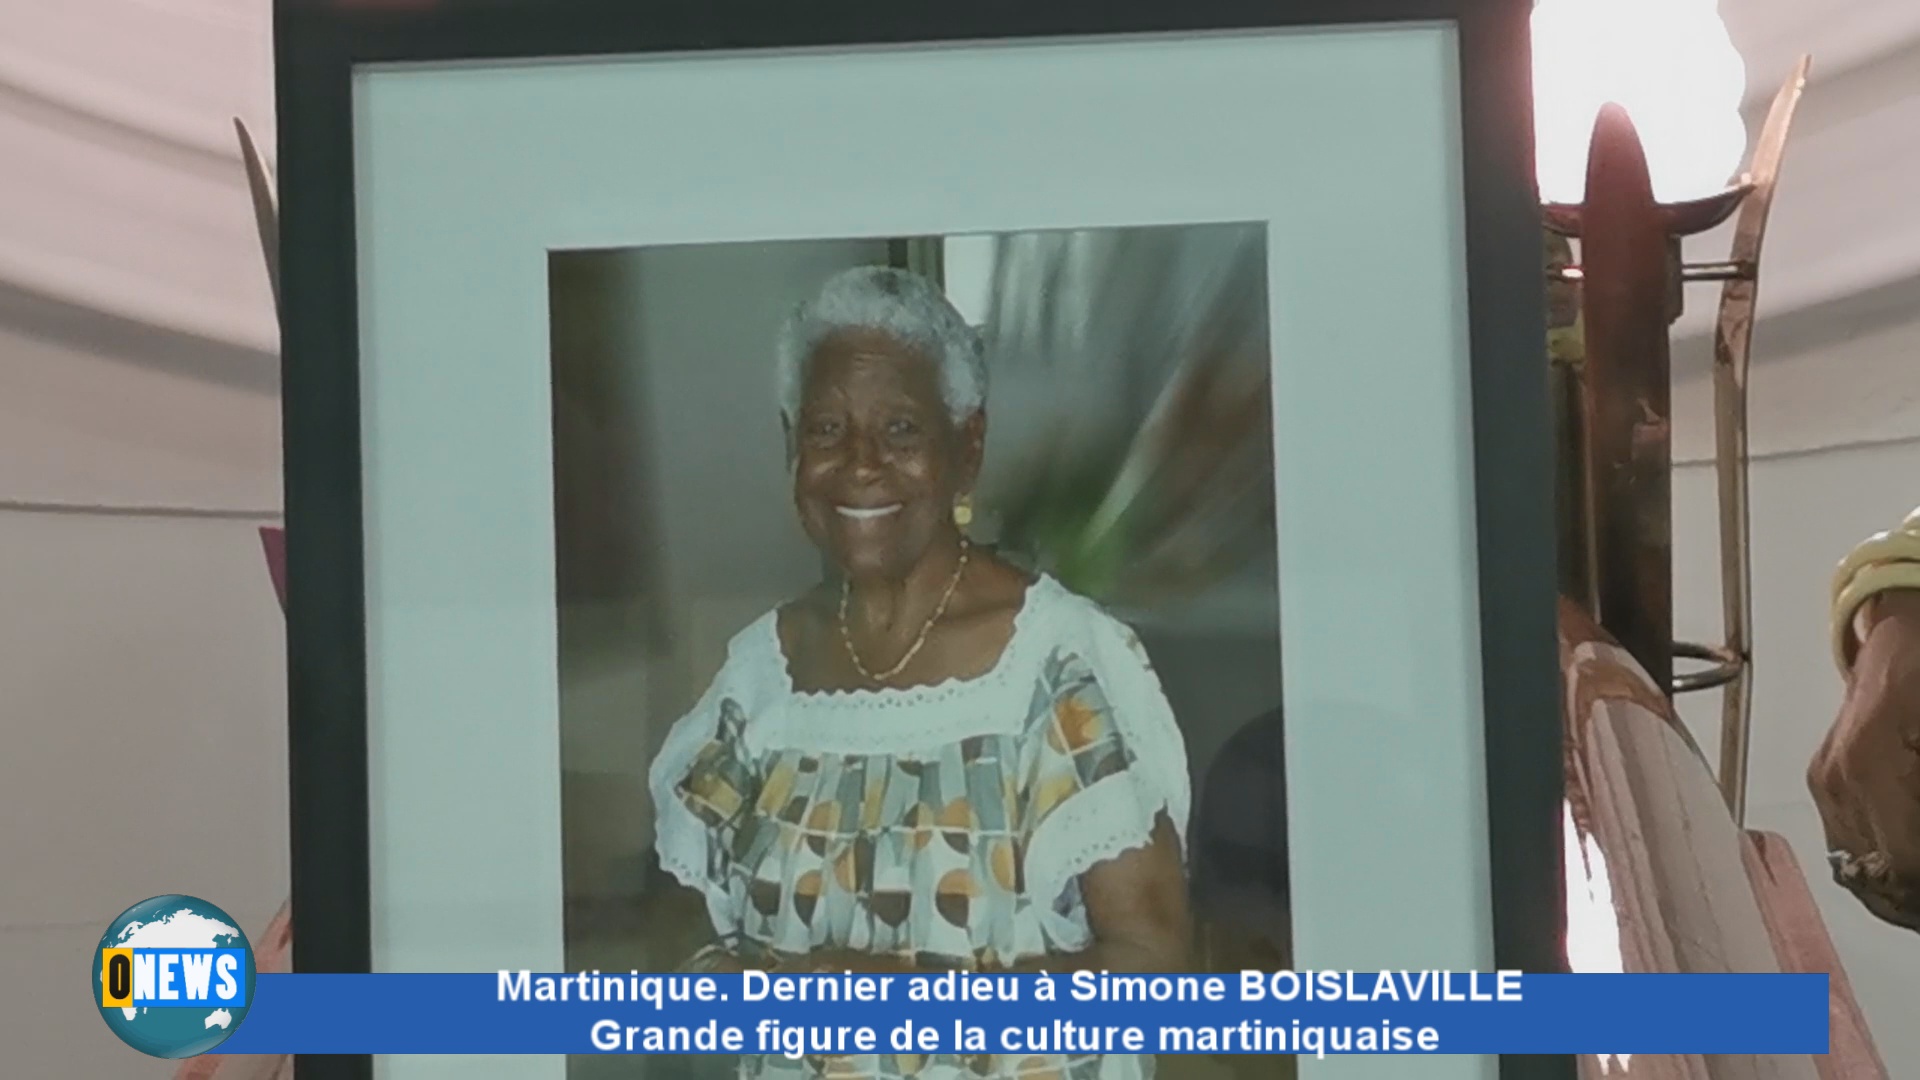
[[173, 976]]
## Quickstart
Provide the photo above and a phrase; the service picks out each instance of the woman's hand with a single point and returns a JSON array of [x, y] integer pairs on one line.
[[712, 960], [1865, 778]]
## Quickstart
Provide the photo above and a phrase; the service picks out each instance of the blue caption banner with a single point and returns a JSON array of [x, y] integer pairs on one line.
[[1317, 1013]]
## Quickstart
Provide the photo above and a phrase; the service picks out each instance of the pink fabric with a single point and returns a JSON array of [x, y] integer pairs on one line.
[[1645, 799], [1800, 937], [274, 541]]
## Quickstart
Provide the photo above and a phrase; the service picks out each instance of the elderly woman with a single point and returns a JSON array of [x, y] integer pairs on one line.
[[932, 759]]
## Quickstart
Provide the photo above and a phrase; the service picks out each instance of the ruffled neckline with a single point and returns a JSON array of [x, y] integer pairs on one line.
[[1032, 607]]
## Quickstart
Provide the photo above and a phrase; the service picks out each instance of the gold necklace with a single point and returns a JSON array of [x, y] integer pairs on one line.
[[846, 635]]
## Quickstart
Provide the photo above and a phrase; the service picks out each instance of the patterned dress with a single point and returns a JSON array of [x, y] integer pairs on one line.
[[945, 824]]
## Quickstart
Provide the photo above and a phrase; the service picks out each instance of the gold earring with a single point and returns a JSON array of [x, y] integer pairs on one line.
[[963, 511]]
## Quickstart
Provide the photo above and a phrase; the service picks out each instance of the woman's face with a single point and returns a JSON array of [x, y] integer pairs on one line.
[[879, 462]]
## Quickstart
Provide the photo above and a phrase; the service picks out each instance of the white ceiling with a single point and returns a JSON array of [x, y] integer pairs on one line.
[[124, 195], [1841, 225]]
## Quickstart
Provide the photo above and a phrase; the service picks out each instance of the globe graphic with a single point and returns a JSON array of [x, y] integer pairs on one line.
[[174, 922]]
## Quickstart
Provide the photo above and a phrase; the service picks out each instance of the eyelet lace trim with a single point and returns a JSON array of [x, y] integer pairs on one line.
[[916, 717], [1034, 604], [1110, 818]]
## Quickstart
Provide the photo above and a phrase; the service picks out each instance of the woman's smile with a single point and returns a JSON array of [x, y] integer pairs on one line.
[[879, 460]]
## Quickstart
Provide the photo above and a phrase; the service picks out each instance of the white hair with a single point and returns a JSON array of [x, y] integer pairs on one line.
[[904, 306]]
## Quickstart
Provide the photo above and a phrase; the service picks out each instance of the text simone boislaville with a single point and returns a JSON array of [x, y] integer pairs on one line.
[[1083, 986]]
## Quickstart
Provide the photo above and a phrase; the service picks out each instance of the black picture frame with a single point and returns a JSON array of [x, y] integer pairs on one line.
[[319, 44]]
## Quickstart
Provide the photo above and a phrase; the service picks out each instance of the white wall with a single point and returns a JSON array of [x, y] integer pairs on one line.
[[141, 663]]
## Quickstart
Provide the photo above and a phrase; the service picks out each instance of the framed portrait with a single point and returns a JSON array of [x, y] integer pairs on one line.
[[989, 486]]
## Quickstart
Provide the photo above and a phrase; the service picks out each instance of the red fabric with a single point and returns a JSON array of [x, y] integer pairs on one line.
[[1800, 937], [274, 540]]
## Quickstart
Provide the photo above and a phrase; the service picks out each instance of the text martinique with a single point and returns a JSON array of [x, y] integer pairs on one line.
[[660, 990]]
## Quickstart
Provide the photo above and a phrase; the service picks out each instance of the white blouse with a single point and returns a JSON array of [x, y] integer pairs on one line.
[[947, 825]]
